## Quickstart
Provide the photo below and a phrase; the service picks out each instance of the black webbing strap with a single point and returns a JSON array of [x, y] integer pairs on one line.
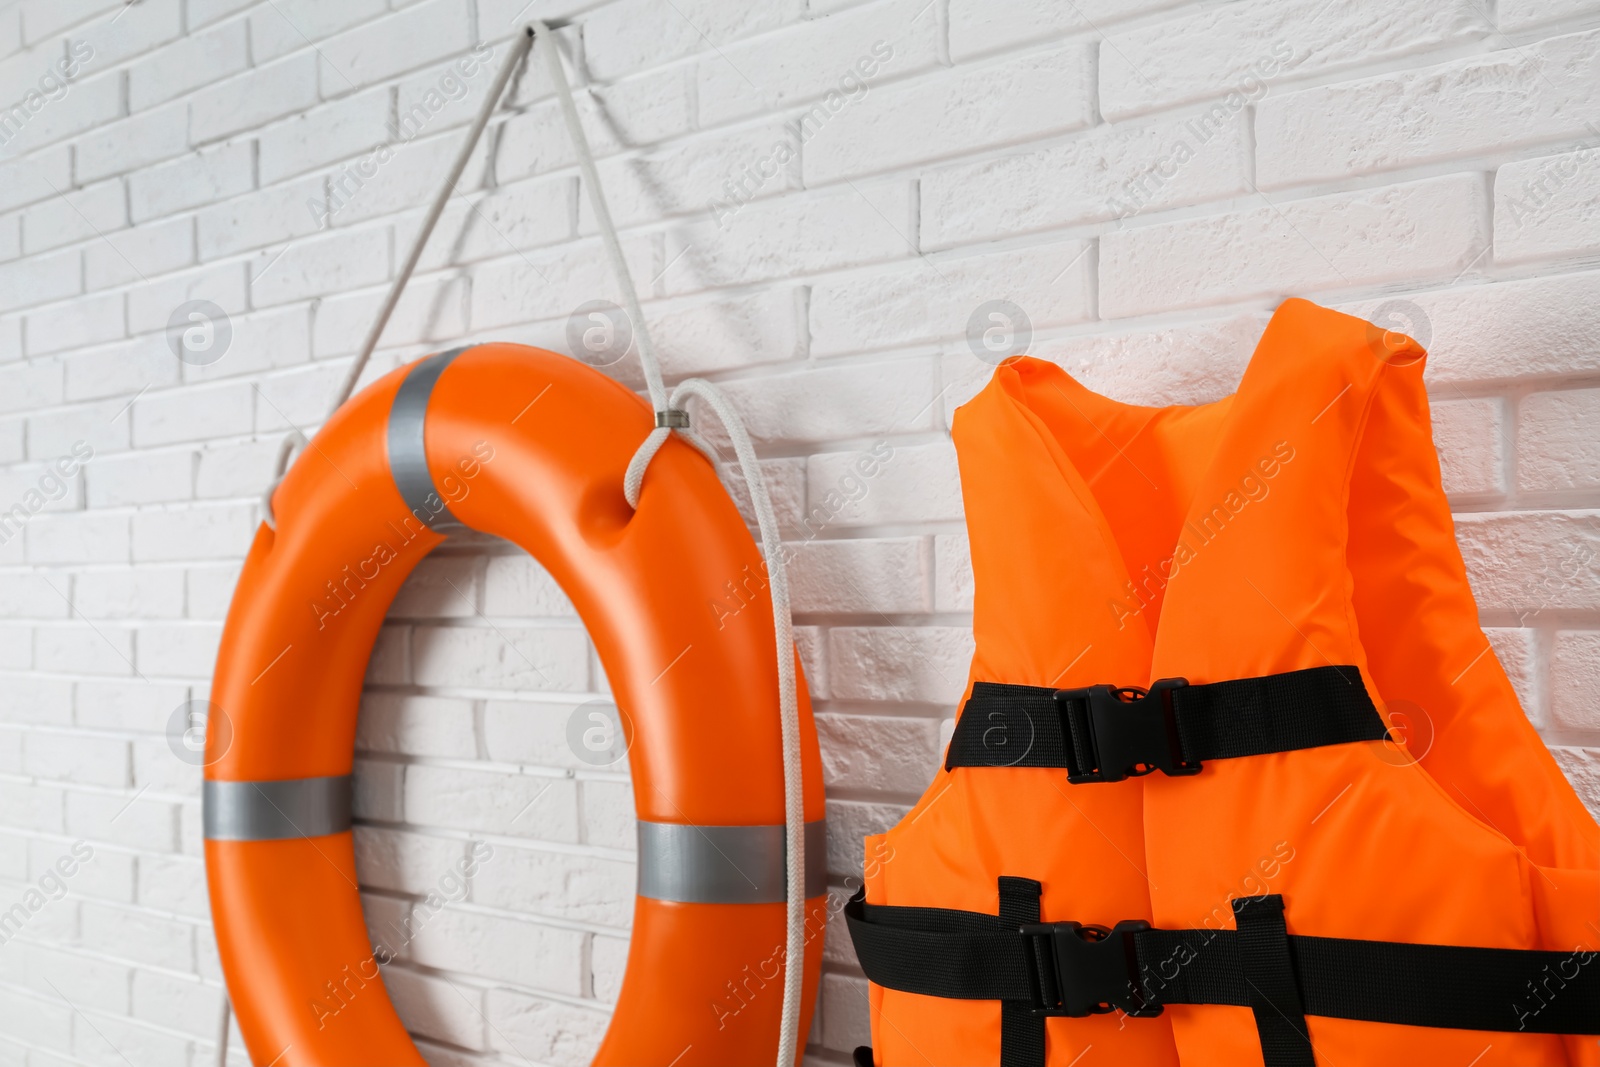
[[1269, 974], [1021, 1031], [1104, 734], [971, 956]]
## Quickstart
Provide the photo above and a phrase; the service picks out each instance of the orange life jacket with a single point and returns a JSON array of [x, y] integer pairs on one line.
[[1298, 525]]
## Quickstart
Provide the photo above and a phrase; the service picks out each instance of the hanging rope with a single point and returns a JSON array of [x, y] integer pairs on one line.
[[670, 417]]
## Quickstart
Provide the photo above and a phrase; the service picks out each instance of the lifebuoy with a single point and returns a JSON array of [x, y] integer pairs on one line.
[[530, 446]]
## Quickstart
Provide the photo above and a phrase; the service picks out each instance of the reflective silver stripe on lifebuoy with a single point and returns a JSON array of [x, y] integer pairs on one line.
[[724, 864], [408, 455], [274, 810]]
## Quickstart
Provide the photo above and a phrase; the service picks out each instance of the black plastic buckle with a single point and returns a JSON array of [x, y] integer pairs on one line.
[[1115, 733], [1077, 970]]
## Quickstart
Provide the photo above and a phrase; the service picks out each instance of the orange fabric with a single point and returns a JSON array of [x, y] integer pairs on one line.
[[1297, 523], [530, 446]]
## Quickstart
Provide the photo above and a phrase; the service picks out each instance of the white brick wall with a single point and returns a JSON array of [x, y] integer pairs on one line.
[[816, 197]]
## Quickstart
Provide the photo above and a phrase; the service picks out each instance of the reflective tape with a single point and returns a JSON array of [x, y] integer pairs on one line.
[[724, 864], [274, 810], [408, 455]]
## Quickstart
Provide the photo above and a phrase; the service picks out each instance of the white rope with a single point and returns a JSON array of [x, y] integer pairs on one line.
[[766, 521], [222, 1030]]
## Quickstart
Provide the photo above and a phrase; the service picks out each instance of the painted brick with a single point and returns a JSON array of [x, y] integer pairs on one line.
[[262, 218], [208, 591], [632, 113], [902, 483], [716, 175], [78, 538], [521, 952], [524, 805], [542, 658], [1529, 562], [1528, 329], [234, 470], [205, 531], [555, 1032], [75, 216], [268, 340], [128, 593], [548, 285], [287, 25], [1304, 245], [138, 822], [1545, 208], [183, 1004], [450, 94], [608, 815], [123, 705], [91, 102], [811, 60], [878, 752], [506, 220], [1116, 171], [37, 280], [1242, 48], [142, 252], [437, 1007], [416, 725], [1488, 103], [134, 31], [1556, 446], [952, 573], [854, 576], [202, 178], [624, 37], [190, 414], [557, 884], [319, 265], [120, 369], [924, 664], [131, 143], [75, 758], [187, 65], [838, 228], [1582, 768], [86, 321], [255, 97], [1520, 14], [141, 478], [1574, 657], [981, 26], [891, 396], [939, 298], [1470, 435], [35, 177], [381, 48], [347, 127], [845, 1021], [955, 112], [186, 650]]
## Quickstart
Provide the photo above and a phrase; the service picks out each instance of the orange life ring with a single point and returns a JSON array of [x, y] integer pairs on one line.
[[530, 446]]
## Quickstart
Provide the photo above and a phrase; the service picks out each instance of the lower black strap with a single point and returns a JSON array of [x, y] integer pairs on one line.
[[1269, 975], [1104, 733], [971, 956], [1021, 1031]]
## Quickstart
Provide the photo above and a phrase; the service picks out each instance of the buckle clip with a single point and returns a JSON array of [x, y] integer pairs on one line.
[[1077, 970], [1113, 733]]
